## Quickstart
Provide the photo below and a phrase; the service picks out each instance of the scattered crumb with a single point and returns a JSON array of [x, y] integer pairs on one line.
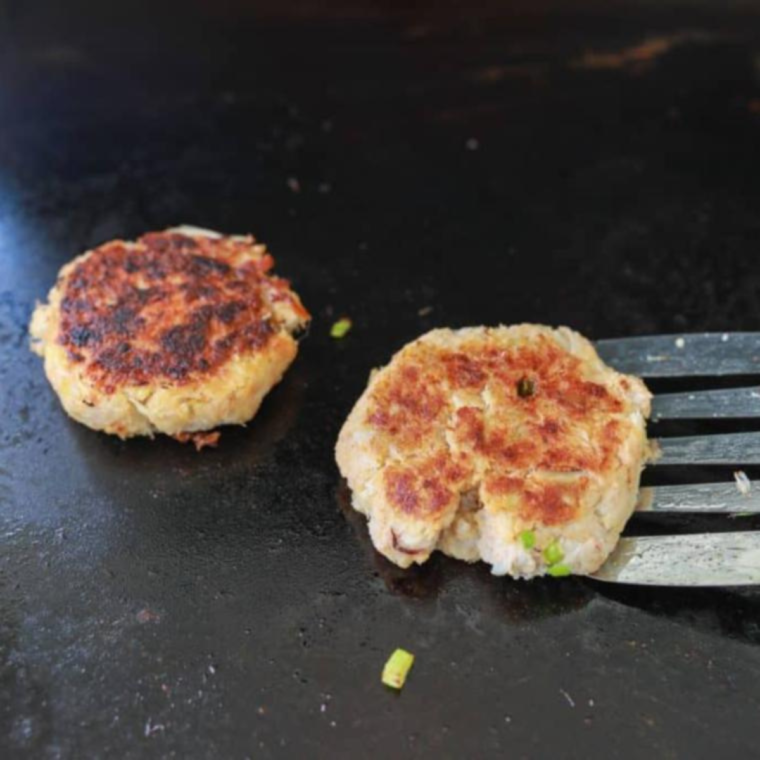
[[200, 440], [743, 483], [261, 710], [639, 56], [152, 728], [212, 669], [147, 616], [680, 342], [293, 184], [323, 707], [425, 310], [472, 144], [646, 51], [724, 337], [567, 697]]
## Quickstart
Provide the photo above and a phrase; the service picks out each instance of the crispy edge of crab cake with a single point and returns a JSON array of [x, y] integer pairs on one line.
[[230, 394], [425, 484]]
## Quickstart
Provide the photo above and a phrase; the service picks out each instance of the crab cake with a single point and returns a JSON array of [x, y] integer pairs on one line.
[[514, 445], [178, 332]]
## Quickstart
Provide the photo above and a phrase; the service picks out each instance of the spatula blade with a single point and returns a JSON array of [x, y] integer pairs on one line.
[[702, 559]]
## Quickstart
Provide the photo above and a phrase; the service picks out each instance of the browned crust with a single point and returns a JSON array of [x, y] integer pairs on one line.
[[566, 424], [170, 308]]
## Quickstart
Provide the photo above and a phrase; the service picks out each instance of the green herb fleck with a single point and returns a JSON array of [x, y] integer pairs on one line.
[[553, 553], [340, 328], [525, 387], [558, 571], [397, 668], [528, 539]]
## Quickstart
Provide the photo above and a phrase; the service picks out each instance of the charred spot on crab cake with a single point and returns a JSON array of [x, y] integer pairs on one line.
[[514, 445], [178, 332]]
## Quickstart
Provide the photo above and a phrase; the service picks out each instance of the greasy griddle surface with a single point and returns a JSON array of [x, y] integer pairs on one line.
[[413, 169]]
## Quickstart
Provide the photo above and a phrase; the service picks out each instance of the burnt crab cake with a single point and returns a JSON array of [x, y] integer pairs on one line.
[[178, 332], [514, 445]]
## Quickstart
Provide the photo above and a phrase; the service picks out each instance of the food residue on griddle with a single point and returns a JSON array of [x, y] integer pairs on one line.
[[200, 440], [397, 668], [340, 328]]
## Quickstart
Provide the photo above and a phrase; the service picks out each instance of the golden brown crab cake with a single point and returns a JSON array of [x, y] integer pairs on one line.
[[514, 445], [178, 332]]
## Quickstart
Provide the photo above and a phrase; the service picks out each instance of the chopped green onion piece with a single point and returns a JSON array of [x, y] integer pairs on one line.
[[397, 668], [340, 328], [528, 539], [553, 553], [558, 571]]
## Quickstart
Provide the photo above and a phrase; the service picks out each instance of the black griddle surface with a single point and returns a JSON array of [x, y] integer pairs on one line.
[[532, 163]]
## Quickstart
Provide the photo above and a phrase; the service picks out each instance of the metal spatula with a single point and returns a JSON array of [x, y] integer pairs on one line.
[[704, 559]]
